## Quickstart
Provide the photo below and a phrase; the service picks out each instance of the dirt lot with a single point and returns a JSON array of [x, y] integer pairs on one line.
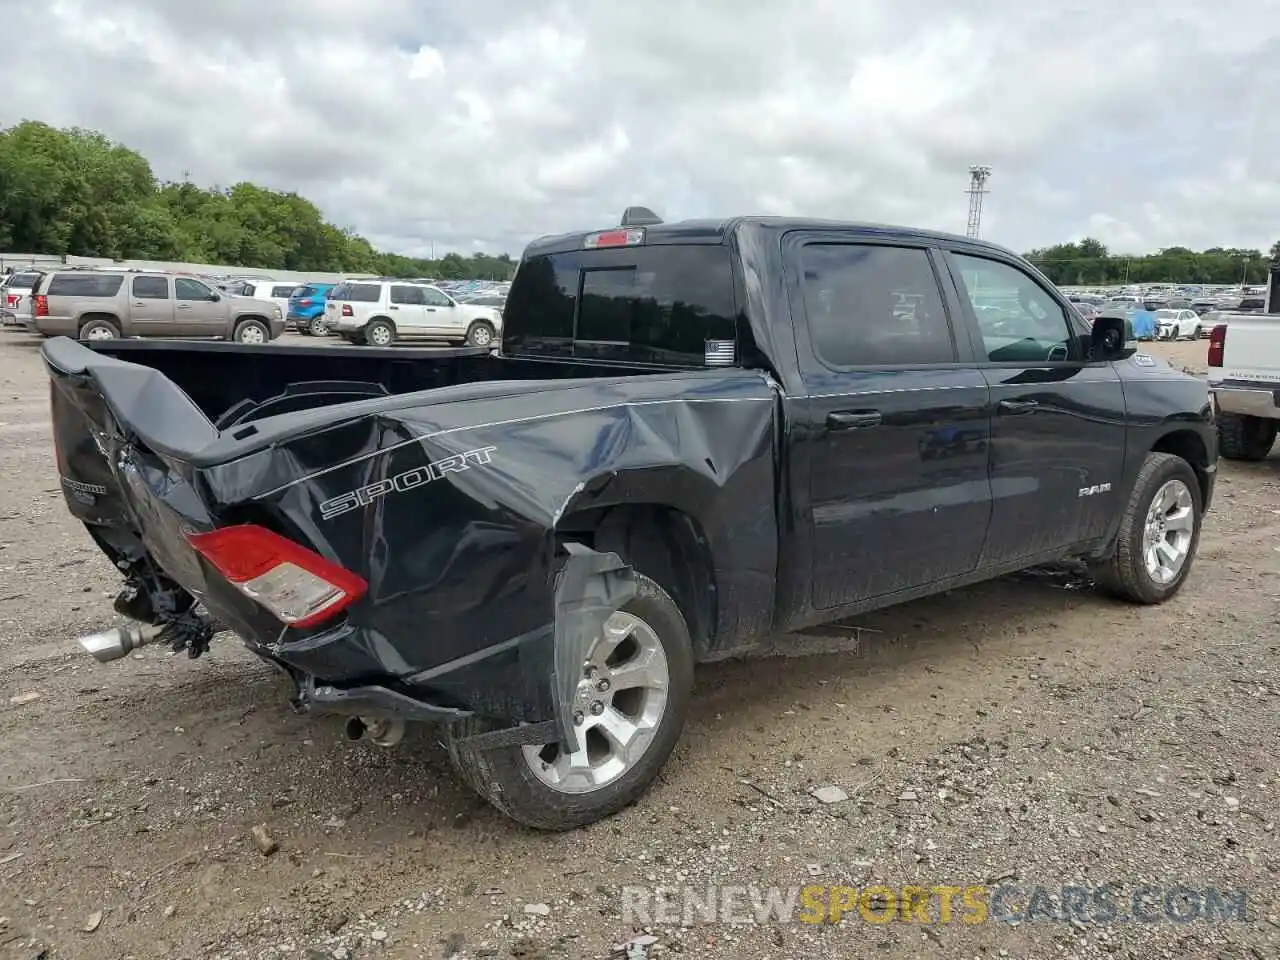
[[1021, 732]]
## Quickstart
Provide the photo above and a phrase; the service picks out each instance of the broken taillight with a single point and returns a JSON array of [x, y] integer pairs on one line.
[[1217, 344], [40, 305], [297, 585]]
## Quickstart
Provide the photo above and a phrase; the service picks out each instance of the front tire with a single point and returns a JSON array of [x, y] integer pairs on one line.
[[1159, 533], [645, 656], [1241, 437], [252, 331]]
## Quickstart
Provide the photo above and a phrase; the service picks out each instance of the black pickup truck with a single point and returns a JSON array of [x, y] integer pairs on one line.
[[695, 435]]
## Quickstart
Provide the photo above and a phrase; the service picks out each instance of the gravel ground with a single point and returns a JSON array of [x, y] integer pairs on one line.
[[1024, 732]]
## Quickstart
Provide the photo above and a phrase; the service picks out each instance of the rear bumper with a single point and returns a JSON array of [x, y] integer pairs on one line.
[[1258, 400]]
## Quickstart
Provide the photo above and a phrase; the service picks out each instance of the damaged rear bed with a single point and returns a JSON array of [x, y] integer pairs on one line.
[[441, 555]]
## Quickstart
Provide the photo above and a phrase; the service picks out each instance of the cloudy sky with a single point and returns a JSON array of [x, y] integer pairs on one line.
[[477, 124]]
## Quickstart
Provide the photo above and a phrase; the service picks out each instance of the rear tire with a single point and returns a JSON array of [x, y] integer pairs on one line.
[[1242, 437], [480, 334], [506, 776], [99, 328], [380, 333], [1164, 504], [317, 327]]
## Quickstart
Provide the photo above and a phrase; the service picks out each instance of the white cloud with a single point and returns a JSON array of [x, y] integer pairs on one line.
[[480, 125]]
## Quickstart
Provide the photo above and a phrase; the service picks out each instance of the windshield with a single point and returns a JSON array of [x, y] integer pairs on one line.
[[1166, 314]]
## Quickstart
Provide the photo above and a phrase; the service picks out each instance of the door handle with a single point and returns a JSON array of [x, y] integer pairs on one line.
[[184, 306], [138, 303], [431, 309], [1011, 408], [395, 308], [852, 419]]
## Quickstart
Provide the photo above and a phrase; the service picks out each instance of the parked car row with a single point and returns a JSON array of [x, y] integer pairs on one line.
[[101, 304]]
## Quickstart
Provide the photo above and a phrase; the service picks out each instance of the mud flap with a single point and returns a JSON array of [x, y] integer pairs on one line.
[[590, 587]]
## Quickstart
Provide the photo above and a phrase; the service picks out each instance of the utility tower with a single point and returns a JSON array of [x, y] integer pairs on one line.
[[978, 177]]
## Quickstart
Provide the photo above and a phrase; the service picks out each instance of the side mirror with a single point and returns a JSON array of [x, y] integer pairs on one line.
[[215, 296], [1112, 339]]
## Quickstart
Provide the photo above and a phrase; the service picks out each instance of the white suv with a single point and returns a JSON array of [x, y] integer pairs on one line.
[[379, 312]]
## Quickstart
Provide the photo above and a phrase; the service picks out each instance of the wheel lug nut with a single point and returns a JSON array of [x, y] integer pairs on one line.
[[578, 718], [597, 708], [603, 686]]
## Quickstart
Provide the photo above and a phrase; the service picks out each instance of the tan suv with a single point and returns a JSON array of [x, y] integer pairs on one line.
[[105, 304]]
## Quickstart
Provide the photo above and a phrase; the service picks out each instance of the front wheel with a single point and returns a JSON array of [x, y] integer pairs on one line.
[[480, 334], [252, 331], [1159, 533], [629, 709]]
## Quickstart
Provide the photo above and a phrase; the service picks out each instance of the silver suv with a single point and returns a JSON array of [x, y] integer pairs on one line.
[[105, 304]]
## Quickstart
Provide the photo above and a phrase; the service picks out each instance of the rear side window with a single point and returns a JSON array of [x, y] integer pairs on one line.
[[151, 288], [84, 285], [357, 292], [404, 294], [22, 281], [870, 305], [658, 304], [282, 292]]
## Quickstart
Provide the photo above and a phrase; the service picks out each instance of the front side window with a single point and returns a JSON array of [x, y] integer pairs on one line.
[[184, 288], [873, 305], [435, 298], [1019, 321], [151, 288]]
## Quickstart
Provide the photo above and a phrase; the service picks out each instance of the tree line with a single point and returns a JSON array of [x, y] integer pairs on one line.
[[1090, 263], [75, 192]]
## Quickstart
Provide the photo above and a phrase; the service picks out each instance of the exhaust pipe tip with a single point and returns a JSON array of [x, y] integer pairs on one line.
[[106, 646], [113, 644]]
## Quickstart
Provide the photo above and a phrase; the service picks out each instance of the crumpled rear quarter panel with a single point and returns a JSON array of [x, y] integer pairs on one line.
[[449, 509]]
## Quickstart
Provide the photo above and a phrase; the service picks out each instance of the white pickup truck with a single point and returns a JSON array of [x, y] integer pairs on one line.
[[1244, 381]]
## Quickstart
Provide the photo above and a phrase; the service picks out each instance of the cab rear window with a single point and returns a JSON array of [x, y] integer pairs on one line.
[[663, 305]]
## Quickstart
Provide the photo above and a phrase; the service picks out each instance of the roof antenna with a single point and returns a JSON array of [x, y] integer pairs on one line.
[[639, 217]]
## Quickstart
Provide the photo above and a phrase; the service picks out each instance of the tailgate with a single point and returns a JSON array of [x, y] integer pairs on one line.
[[120, 434], [100, 407]]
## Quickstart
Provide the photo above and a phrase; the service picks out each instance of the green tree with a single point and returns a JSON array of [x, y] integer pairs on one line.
[[75, 192]]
